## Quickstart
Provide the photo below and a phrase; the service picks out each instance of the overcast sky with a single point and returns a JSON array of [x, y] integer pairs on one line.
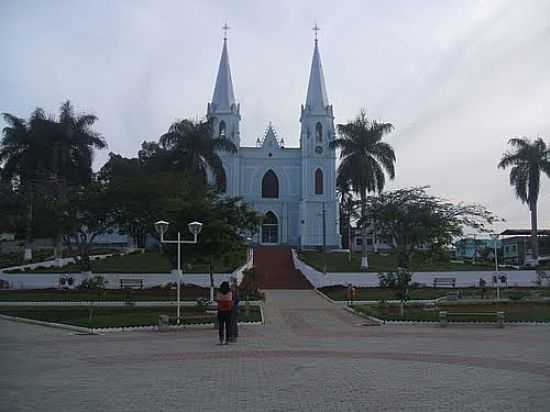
[[456, 78]]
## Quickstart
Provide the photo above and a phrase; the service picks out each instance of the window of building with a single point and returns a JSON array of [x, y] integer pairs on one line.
[[318, 132], [222, 129], [318, 182], [270, 185]]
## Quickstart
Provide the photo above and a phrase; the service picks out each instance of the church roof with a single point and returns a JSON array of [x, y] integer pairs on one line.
[[270, 138], [317, 98], [223, 97]]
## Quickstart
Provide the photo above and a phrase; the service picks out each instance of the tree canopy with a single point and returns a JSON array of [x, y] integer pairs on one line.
[[411, 218]]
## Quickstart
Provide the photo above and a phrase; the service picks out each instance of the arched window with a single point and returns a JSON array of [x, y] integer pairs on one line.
[[270, 228], [270, 185], [318, 133], [222, 129], [318, 182]]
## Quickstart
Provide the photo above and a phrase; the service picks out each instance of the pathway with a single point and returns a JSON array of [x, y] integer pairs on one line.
[[309, 356]]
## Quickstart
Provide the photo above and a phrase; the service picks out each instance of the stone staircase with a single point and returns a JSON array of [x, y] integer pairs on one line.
[[276, 269]]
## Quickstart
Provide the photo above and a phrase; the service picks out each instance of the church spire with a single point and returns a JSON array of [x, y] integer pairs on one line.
[[317, 98], [223, 98]]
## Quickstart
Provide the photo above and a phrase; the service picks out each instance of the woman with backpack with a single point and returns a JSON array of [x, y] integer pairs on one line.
[[224, 298]]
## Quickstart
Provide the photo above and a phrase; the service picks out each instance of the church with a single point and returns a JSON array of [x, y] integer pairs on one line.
[[293, 188]]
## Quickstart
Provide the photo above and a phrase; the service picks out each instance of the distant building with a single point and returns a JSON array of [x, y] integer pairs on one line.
[[374, 241], [517, 247], [470, 248]]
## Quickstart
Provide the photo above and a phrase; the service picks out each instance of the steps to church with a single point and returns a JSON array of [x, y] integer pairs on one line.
[[276, 269]]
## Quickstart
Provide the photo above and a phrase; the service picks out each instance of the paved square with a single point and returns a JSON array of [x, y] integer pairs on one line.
[[310, 356]]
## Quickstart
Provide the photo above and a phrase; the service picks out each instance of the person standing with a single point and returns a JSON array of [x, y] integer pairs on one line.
[[235, 311], [224, 299]]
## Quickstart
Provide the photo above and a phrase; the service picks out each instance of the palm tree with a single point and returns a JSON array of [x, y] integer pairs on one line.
[[527, 160], [22, 154], [365, 161], [194, 149], [72, 145], [44, 156]]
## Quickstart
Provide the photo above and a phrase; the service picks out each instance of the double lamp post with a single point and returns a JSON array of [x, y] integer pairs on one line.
[[195, 228]]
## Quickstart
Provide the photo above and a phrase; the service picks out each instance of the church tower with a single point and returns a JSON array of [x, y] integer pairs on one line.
[[224, 113], [319, 208]]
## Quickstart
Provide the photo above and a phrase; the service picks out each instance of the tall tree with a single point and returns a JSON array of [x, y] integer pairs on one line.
[[22, 152], [72, 144], [527, 159], [193, 148], [44, 158], [365, 161]]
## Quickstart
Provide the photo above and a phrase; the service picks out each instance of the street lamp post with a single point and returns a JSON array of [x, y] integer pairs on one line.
[[195, 228], [495, 239]]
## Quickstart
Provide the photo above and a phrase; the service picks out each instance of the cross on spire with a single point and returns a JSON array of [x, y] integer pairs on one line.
[[316, 31], [225, 29]]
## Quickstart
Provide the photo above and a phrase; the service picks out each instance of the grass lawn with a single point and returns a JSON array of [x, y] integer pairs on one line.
[[189, 293], [513, 311], [338, 262], [148, 262], [117, 317], [158, 294], [379, 294], [14, 259]]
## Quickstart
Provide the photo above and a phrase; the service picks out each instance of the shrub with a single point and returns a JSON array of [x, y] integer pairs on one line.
[[517, 296], [202, 305], [249, 285], [95, 282]]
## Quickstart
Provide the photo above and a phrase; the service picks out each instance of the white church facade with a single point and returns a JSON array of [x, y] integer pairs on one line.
[[293, 188]]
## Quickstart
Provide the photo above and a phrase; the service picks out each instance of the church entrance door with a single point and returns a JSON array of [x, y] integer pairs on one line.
[[270, 229]]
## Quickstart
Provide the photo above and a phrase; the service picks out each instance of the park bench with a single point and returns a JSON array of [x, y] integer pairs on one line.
[[454, 295], [131, 283], [444, 282], [444, 317]]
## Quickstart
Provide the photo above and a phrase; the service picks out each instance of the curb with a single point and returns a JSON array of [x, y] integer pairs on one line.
[[432, 322], [48, 324], [365, 316], [326, 297], [107, 303]]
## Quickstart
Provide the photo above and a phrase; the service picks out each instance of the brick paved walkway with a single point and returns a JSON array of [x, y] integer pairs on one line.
[[310, 356]]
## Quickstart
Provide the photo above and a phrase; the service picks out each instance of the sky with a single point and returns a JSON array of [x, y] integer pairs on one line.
[[457, 79]]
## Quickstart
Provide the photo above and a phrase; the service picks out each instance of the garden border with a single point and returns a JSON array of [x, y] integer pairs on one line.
[[431, 322], [82, 329]]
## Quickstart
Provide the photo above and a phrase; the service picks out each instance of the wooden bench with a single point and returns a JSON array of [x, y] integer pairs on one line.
[[444, 317], [445, 282], [131, 283]]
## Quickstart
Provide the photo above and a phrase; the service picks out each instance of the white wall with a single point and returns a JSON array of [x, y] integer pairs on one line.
[[523, 278]]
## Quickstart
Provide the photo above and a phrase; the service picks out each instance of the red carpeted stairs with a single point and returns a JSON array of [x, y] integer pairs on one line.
[[276, 269]]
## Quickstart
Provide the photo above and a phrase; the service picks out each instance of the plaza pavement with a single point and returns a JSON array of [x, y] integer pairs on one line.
[[310, 356]]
